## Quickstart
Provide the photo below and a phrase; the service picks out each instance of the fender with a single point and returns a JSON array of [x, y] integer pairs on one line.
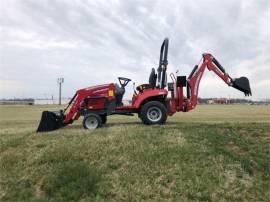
[[149, 93]]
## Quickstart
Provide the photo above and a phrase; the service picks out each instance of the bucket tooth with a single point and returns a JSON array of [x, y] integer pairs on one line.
[[50, 121], [242, 84]]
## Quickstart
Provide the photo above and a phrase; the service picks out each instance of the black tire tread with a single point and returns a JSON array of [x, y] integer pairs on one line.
[[146, 106], [95, 115]]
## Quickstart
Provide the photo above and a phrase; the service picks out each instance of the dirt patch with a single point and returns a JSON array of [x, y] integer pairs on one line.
[[222, 130], [236, 174], [38, 192], [265, 136], [175, 137], [235, 149]]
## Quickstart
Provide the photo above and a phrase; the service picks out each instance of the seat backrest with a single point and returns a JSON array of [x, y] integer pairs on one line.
[[153, 78], [119, 93]]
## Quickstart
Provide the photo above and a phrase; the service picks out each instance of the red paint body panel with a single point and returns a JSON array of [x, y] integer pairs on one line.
[[137, 100], [97, 103], [148, 93], [99, 90]]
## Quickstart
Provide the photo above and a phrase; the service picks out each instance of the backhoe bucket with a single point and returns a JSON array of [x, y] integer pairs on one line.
[[50, 121], [242, 84]]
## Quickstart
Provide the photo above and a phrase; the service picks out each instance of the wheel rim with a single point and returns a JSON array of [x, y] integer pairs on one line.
[[154, 114], [91, 122]]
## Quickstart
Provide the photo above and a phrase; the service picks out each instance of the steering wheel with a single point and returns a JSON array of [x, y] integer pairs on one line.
[[123, 81]]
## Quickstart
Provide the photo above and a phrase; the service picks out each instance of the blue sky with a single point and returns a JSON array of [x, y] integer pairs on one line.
[[93, 42]]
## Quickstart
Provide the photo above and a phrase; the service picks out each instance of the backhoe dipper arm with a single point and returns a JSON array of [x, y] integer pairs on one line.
[[212, 64]]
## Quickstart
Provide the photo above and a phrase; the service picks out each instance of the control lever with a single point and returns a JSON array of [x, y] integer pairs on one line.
[[135, 93]]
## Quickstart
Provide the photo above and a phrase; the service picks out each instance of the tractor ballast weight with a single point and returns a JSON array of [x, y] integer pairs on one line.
[[151, 101]]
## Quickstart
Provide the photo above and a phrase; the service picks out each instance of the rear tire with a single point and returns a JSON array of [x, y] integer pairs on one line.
[[153, 112], [92, 121]]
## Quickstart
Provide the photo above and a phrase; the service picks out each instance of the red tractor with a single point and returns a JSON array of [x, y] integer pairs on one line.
[[153, 101]]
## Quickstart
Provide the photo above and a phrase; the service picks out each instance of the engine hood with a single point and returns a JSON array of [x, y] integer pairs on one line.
[[98, 90]]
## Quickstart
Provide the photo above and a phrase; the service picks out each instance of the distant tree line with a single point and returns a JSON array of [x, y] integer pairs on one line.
[[31, 101], [231, 101], [17, 101]]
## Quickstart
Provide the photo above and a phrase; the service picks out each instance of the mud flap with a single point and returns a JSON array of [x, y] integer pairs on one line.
[[242, 84], [50, 121]]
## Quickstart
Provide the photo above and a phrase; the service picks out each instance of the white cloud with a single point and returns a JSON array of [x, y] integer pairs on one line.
[[39, 44], [16, 87], [92, 42]]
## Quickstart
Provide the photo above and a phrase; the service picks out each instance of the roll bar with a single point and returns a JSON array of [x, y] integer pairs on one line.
[[163, 62]]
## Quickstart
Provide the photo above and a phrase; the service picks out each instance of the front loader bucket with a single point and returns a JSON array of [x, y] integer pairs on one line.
[[50, 121], [242, 84]]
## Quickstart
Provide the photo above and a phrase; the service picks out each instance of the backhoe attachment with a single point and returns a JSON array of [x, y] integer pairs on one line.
[[193, 81]]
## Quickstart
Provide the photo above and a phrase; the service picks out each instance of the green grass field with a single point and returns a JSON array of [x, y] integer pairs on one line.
[[215, 153]]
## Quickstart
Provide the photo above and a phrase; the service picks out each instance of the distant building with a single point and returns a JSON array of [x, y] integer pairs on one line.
[[210, 102]]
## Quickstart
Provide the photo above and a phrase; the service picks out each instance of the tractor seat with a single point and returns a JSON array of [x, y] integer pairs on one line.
[[151, 84], [119, 93], [142, 87]]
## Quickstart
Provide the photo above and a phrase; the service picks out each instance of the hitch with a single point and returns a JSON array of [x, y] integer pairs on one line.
[[242, 84], [51, 121]]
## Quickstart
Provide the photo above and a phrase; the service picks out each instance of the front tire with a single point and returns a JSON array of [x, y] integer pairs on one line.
[[92, 121], [153, 112]]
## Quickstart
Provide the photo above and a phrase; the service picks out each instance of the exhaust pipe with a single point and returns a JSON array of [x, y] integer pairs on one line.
[[242, 84], [51, 121]]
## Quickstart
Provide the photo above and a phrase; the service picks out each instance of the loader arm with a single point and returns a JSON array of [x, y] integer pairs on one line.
[[72, 111], [209, 62], [72, 108]]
